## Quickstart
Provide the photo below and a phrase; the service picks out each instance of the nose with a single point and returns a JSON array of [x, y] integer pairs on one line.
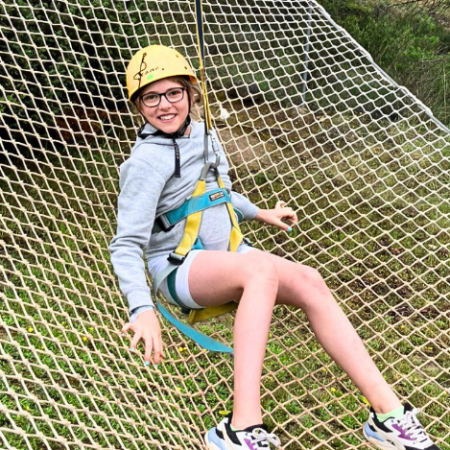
[[164, 103]]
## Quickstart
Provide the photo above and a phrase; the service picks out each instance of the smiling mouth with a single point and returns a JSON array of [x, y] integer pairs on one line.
[[167, 117]]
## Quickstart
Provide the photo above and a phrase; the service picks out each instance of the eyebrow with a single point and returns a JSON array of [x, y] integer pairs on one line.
[[154, 92]]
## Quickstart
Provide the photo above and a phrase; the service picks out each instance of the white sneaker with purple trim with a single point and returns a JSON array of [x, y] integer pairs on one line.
[[405, 433], [223, 437]]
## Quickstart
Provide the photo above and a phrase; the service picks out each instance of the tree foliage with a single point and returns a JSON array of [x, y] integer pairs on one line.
[[410, 40]]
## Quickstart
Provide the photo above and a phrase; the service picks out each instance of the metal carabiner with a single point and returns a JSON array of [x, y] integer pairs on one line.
[[216, 153]]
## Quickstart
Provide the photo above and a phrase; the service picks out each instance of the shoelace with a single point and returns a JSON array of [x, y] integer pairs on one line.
[[260, 435], [412, 425]]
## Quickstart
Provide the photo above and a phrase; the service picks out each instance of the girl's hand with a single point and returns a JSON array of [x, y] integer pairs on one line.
[[274, 216], [146, 327]]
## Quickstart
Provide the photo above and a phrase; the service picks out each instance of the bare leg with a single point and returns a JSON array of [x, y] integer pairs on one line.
[[304, 287], [259, 279], [219, 277]]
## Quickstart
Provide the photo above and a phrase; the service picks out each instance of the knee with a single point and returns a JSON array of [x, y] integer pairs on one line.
[[311, 281], [261, 271], [312, 278]]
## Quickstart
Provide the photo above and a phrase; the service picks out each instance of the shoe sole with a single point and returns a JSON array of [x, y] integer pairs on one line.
[[384, 445], [211, 445]]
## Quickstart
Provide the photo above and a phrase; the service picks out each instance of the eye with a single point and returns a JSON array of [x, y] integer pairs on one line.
[[174, 93], [150, 98]]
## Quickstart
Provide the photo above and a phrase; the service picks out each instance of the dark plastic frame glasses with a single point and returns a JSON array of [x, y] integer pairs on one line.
[[153, 99]]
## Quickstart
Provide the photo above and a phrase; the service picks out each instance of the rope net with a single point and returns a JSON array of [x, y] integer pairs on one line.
[[305, 117]]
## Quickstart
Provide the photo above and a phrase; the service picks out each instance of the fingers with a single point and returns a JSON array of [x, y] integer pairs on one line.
[[153, 344], [136, 338], [146, 328], [148, 351], [157, 352], [284, 226], [126, 327], [286, 213], [292, 216], [285, 210]]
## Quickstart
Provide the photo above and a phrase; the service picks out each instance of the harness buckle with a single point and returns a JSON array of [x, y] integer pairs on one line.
[[176, 259], [164, 222]]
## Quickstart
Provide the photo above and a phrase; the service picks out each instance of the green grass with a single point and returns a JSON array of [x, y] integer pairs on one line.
[[373, 219], [372, 198]]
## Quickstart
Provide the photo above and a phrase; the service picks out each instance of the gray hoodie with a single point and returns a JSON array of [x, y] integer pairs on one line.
[[148, 188]]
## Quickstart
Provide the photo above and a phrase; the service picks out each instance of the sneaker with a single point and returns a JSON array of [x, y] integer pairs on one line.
[[255, 437], [214, 435], [405, 433]]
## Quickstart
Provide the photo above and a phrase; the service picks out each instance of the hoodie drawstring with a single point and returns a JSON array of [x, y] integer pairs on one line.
[[177, 158], [174, 136]]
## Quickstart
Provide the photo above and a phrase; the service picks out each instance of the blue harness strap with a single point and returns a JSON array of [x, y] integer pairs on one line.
[[191, 210], [198, 337], [171, 281], [193, 205]]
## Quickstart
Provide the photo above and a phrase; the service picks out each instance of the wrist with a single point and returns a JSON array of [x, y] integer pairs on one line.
[[261, 215], [139, 310]]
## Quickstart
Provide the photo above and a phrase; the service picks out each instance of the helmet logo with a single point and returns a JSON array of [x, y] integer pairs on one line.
[[142, 71], [142, 67]]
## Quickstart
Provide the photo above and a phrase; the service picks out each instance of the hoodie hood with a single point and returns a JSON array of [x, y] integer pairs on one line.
[[149, 130]]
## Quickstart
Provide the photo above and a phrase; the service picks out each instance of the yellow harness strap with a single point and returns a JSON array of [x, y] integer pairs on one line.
[[191, 230], [192, 226], [193, 221]]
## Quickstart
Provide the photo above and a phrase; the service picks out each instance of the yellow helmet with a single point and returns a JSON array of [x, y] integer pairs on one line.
[[154, 63]]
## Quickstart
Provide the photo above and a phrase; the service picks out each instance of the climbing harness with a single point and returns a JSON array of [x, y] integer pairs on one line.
[[192, 211]]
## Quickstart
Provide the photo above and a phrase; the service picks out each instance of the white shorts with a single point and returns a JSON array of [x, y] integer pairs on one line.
[[182, 276]]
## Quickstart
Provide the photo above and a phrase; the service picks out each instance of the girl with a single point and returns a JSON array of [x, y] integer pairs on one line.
[[160, 174]]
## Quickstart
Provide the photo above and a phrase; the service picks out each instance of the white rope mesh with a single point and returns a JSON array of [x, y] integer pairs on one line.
[[305, 117]]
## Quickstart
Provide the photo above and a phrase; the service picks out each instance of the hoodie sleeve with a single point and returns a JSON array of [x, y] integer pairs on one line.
[[243, 206], [140, 188]]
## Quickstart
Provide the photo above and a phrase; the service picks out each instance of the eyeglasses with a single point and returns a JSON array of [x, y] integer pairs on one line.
[[153, 99]]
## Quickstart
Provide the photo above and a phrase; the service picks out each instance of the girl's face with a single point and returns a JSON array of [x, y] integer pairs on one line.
[[173, 108]]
